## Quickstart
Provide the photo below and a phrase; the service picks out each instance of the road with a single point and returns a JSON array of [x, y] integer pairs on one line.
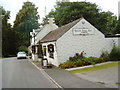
[[107, 76], [22, 74], [0, 74]]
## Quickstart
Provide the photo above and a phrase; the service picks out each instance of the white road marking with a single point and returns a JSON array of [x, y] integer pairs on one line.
[[47, 76]]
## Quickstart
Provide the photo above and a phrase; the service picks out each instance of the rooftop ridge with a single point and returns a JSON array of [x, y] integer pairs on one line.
[[57, 33]]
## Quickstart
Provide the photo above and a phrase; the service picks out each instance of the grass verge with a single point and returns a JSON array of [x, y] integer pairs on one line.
[[2, 57], [96, 67]]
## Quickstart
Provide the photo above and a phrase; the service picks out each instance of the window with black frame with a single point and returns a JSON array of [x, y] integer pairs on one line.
[[51, 50]]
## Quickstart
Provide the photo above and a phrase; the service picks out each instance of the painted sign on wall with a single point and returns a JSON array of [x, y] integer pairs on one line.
[[82, 31]]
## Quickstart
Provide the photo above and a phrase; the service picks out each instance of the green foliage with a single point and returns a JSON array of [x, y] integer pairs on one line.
[[118, 26], [66, 12], [80, 60], [9, 36], [17, 38], [105, 55], [23, 48], [26, 20], [77, 56], [96, 67], [107, 22], [67, 64], [29, 54], [115, 53], [90, 60]]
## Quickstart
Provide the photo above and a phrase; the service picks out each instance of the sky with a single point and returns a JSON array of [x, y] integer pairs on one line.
[[15, 5]]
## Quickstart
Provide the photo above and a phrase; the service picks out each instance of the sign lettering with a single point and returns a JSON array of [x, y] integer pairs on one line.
[[83, 31]]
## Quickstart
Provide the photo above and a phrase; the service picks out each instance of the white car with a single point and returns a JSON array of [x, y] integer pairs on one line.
[[21, 55]]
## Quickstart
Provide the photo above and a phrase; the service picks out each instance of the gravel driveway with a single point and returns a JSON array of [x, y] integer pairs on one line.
[[107, 76]]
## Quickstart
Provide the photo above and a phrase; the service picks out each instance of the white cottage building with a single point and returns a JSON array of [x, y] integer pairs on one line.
[[38, 34], [60, 44]]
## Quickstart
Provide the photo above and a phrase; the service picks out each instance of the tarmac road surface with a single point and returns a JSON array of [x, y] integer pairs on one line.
[[20, 73], [109, 77]]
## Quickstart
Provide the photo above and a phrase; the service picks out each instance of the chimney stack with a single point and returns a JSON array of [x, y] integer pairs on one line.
[[51, 23]]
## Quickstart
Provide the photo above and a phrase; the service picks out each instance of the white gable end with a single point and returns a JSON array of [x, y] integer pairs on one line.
[[86, 38], [83, 27], [75, 37]]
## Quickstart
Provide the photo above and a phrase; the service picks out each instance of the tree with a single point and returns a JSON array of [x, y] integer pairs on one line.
[[8, 35], [115, 53], [66, 12], [118, 27], [26, 20], [107, 23], [22, 48]]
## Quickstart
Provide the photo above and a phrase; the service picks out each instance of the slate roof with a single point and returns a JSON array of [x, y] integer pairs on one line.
[[57, 33]]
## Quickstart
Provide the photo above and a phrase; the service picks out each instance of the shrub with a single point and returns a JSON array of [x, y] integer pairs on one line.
[[29, 54], [23, 48], [79, 60], [66, 65], [105, 56], [101, 59], [77, 56], [78, 64], [90, 60], [72, 58], [115, 54], [82, 54], [63, 66]]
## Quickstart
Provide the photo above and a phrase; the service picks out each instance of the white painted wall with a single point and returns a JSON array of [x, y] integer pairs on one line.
[[51, 60], [44, 31], [40, 34], [92, 45], [32, 40]]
